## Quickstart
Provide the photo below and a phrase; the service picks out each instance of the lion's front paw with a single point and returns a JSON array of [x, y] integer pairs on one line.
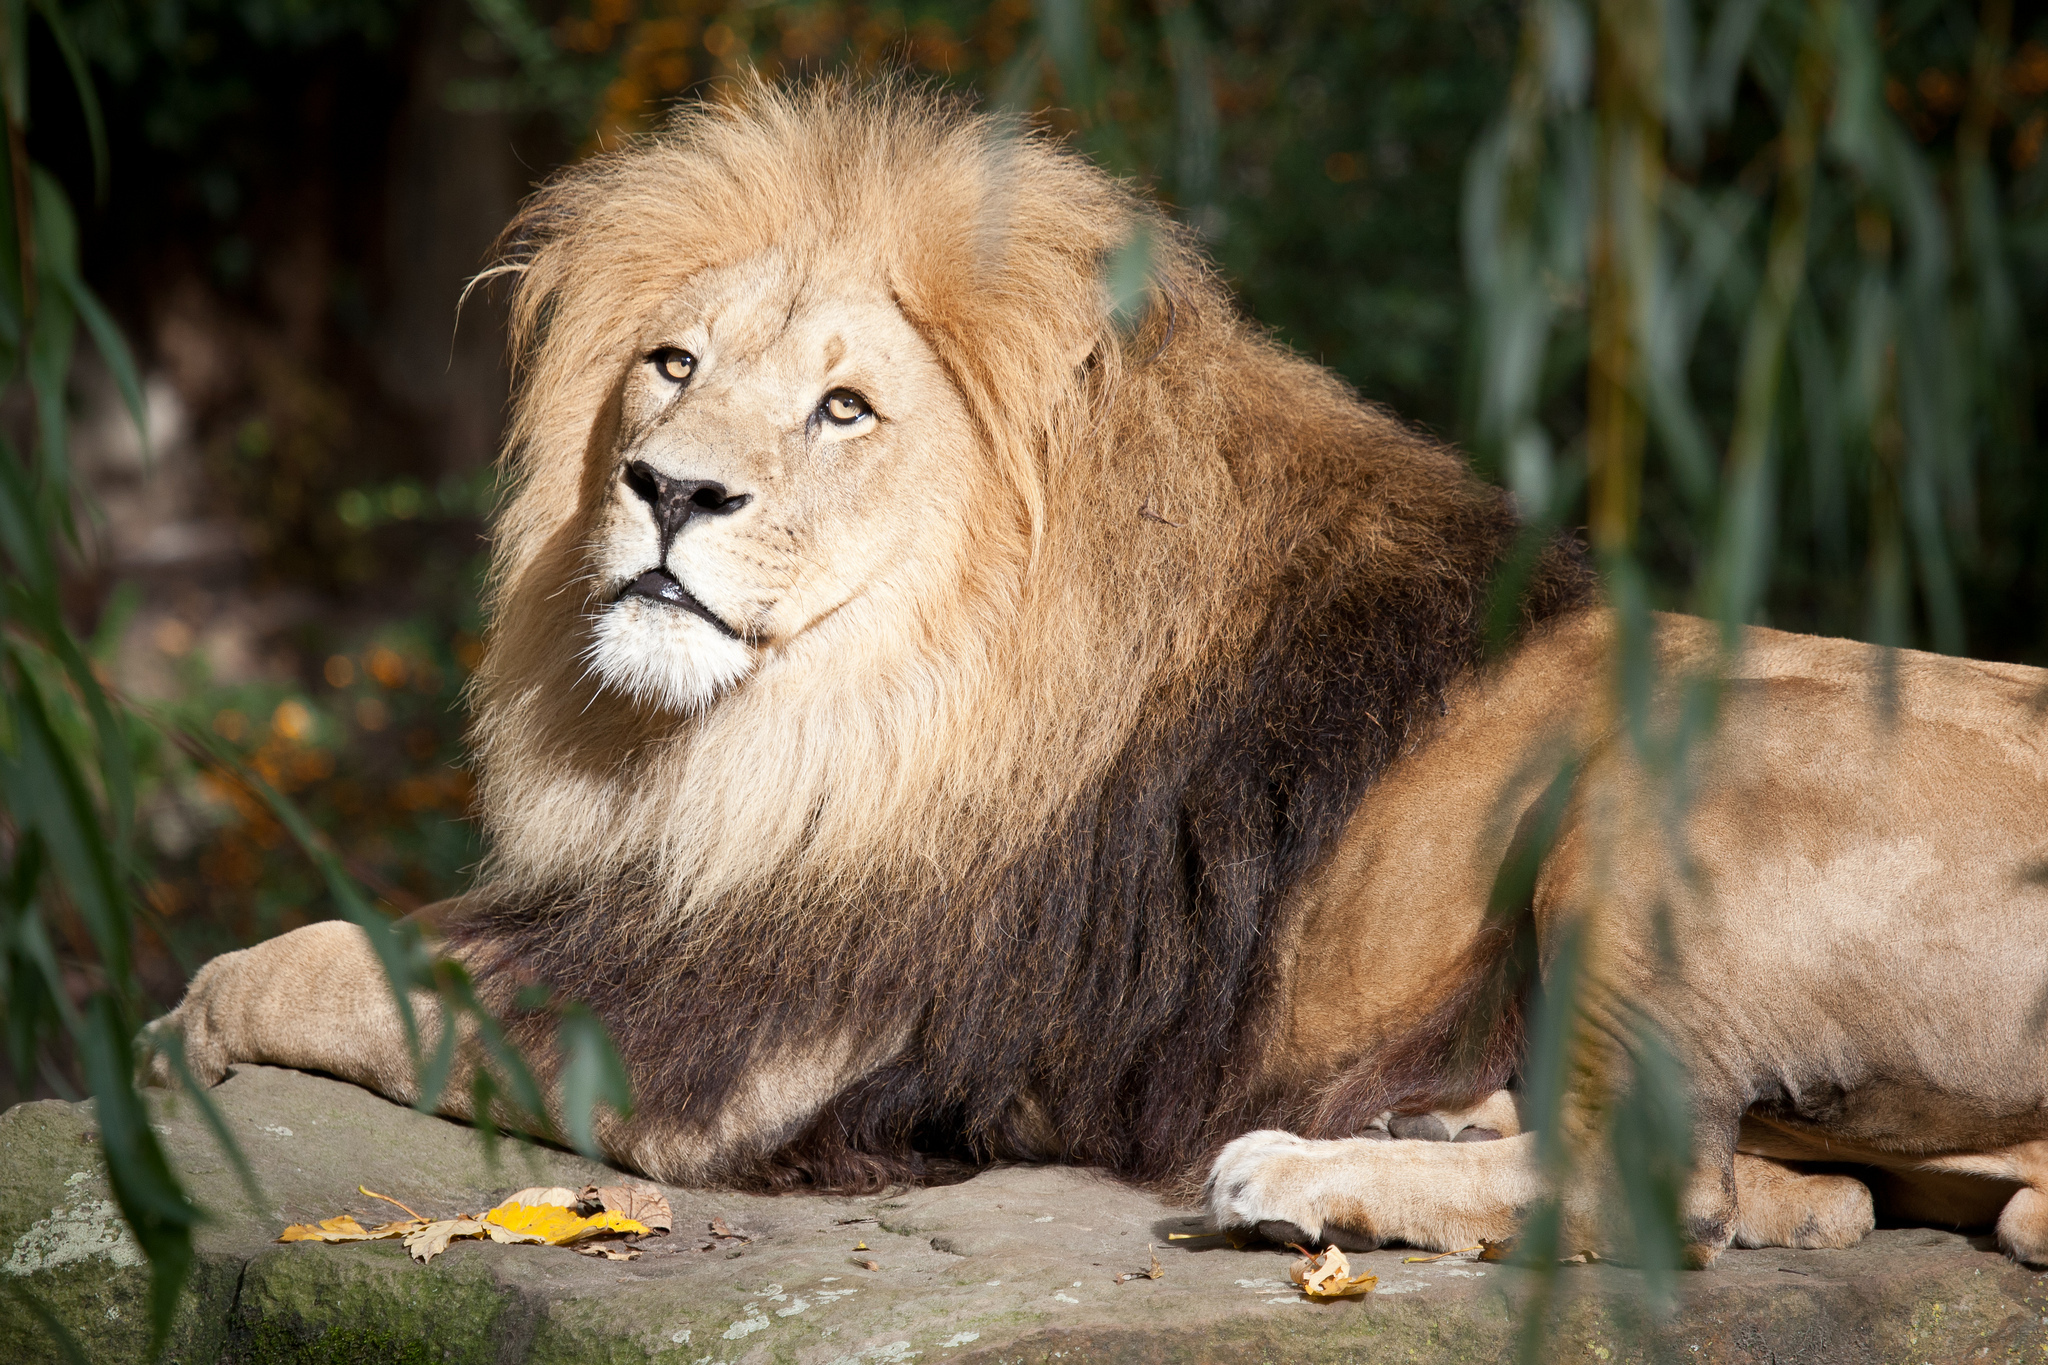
[[183, 1030], [1776, 1206], [190, 1029], [1268, 1182]]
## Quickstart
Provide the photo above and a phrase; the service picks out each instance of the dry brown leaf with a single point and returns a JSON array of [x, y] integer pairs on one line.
[[426, 1242], [1496, 1251], [867, 1265], [721, 1228], [1455, 1251], [635, 1202], [609, 1253], [497, 1232], [1329, 1276], [1154, 1273]]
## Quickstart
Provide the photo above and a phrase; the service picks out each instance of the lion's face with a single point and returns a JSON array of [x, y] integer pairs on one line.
[[789, 452]]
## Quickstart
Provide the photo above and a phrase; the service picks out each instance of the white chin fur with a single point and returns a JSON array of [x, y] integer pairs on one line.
[[665, 656]]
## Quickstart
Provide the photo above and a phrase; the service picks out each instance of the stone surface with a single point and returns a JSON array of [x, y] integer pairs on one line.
[[1016, 1265]]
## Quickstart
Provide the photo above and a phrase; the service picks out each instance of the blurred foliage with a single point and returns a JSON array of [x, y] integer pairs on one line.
[[249, 144], [67, 772], [1325, 152], [369, 754], [1319, 146], [1749, 311]]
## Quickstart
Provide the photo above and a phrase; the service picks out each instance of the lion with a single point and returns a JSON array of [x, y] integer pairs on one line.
[[939, 710]]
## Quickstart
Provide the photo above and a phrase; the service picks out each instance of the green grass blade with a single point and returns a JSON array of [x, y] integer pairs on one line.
[[88, 98]]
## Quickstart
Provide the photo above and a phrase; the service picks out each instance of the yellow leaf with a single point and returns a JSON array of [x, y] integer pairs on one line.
[[322, 1231], [536, 1197], [559, 1225], [347, 1229], [1329, 1276], [860, 1246]]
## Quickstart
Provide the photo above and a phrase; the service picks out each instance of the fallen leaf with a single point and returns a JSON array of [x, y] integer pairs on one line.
[[1460, 1251], [637, 1203], [527, 1216], [537, 1197], [867, 1265], [417, 1216], [860, 1246], [1329, 1276], [498, 1232], [1496, 1251], [1154, 1273], [327, 1230], [558, 1224], [425, 1243], [347, 1229], [721, 1228], [609, 1253]]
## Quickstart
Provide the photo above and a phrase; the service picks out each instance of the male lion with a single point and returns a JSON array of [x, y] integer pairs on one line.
[[935, 715]]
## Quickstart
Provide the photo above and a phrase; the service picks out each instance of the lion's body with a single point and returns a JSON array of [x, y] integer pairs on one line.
[[1073, 740]]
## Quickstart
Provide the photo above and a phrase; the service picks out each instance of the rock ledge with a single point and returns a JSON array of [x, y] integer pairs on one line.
[[1016, 1265]]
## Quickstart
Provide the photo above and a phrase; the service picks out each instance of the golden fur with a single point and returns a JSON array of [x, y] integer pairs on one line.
[[1084, 755]]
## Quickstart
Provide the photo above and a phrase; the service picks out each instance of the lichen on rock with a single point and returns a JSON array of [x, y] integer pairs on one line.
[[68, 1235]]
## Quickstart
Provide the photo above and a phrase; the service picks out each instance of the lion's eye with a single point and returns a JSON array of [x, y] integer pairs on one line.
[[845, 407], [673, 365]]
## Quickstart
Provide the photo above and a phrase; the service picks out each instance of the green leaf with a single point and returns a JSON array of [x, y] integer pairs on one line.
[[592, 1074], [45, 791], [53, 327], [173, 1048], [22, 535], [398, 949], [1064, 24], [113, 349], [14, 62], [1194, 95], [113, 762], [1129, 277], [157, 1209], [53, 1327], [88, 99]]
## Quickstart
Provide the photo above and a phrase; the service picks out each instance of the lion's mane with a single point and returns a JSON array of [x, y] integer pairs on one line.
[[1052, 842]]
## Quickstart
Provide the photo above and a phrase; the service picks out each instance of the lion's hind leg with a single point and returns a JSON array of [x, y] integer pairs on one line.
[[2023, 1223], [1776, 1206], [1358, 1193]]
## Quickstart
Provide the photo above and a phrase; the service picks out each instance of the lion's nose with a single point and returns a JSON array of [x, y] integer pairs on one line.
[[675, 501]]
